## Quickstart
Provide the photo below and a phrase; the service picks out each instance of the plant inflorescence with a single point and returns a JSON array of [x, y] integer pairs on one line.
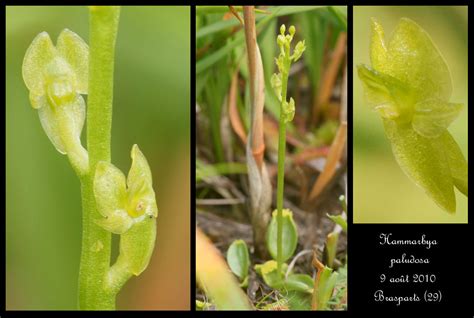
[[57, 77]]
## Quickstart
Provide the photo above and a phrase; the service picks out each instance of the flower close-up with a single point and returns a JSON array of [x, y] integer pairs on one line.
[[122, 201], [409, 85], [56, 76]]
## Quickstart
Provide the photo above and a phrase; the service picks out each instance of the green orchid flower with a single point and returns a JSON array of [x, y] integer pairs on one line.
[[124, 202], [56, 76], [409, 85], [129, 209]]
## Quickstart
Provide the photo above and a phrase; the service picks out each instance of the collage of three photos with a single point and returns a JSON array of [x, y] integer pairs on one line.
[[133, 184]]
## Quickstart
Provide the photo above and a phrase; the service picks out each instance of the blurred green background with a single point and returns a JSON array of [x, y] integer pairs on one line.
[[382, 192], [151, 108]]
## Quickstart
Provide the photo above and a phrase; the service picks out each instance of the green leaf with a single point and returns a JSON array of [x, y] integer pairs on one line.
[[238, 258], [327, 282], [289, 235], [339, 219], [414, 59], [137, 244], [331, 247], [298, 300], [269, 272], [424, 162], [299, 282], [433, 116]]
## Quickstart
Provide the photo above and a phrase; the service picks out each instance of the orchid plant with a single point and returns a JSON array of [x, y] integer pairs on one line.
[[57, 77]]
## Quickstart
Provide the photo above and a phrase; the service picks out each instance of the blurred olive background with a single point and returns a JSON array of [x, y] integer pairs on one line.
[[382, 192], [151, 108]]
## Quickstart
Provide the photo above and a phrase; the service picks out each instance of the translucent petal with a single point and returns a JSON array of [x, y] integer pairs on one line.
[[433, 116], [378, 50], [48, 119], [424, 162], [118, 222], [40, 52], [137, 244], [36, 100], [71, 119], [140, 187], [385, 94], [456, 160], [415, 60], [109, 189], [76, 52]]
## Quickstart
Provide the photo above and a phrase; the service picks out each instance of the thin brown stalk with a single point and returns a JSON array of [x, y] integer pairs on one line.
[[329, 78], [259, 182], [234, 115], [257, 86], [333, 158]]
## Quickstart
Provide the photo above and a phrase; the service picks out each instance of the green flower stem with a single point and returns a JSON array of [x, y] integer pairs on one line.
[[117, 276], [96, 242], [281, 169]]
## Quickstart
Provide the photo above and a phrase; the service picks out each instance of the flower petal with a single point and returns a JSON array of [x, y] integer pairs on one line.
[[137, 245], [385, 94], [433, 116], [40, 52], [424, 162], [140, 188], [109, 189], [456, 160], [49, 121], [118, 222], [378, 50], [415, 60], [76, 52]]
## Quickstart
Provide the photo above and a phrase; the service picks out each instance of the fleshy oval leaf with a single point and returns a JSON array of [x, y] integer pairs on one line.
[[300, 282], [141, 196], [423, 162], [269, 272], [238, 258], [76, 52], [433, 116], [137, 245], [109, 189], [40, 52], [289, 235], [414, 59]]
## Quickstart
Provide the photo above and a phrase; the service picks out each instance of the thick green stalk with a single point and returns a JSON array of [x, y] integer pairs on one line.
[[281, 171], [96, 242]]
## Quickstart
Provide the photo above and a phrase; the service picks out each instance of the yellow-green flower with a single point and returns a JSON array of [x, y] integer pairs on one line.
[[124, 202], [409, 85], [56, 76]]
